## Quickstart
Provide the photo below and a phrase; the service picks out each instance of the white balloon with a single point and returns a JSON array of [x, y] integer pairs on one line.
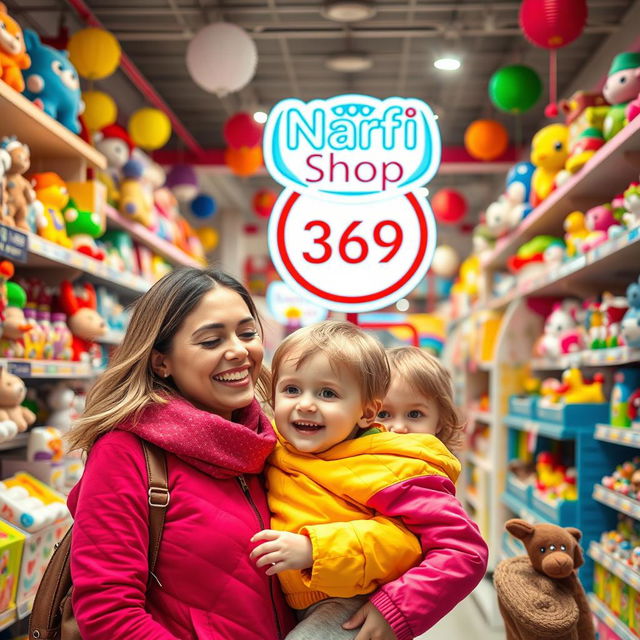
[[222, 58], [445, 261]]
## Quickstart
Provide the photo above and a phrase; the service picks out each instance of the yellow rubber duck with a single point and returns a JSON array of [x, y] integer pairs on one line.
[[549, 152], [578, 391], [575, 232]]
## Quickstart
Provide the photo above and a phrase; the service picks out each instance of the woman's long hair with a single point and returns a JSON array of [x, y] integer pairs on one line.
[[129, 383]]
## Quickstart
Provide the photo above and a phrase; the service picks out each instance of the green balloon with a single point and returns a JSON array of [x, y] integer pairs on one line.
[[515, 88]]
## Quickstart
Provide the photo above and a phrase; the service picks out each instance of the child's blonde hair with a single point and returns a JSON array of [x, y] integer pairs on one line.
[[426, 376], [345, 345]]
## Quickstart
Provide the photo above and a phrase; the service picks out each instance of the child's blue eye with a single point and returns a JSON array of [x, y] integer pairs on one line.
[[415, 414], [382, 415], [290, 390], [328, 393]]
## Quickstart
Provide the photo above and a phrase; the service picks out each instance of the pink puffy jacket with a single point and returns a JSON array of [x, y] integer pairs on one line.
[[211, 590]]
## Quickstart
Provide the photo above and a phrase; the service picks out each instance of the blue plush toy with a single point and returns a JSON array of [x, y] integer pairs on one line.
[[631, 320], [52, 82], [519, 185]]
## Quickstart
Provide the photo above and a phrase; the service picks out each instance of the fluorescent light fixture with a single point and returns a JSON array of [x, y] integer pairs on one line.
[[447, 64], [348, 10], [260, 117], [349, 62]]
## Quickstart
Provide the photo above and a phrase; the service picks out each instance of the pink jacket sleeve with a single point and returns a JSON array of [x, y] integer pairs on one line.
[[455, 554], [109, 562]]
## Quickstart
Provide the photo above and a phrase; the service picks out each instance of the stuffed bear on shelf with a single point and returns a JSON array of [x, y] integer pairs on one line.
[[539, 594]]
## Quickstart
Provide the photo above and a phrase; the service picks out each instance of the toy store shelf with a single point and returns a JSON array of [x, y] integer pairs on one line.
[[617, 567], [522, 510], [608, 172], [614, 356], [610, 619], [615, 254], [48, 254], [7, 618], [548, 429], [46, 137], [15, 443], [146, 237], [479, 461], [47, 368], [112, 338], [617, 501], [618, 435]]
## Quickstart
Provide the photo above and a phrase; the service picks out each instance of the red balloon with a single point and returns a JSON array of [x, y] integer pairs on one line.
[[552, 24], [241, 130], [449, 206], [263, 202]]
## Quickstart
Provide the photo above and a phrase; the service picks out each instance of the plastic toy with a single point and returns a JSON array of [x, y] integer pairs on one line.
[[115, 144], [602, 225], [532, 586], [583, 148], [575, 233], [626, 382], [83, 227], [561, 333], [12, 393], [134, 202], [13, 53], [584, 110], [15, 324], [19, 507], [535, 255], [52, 192], [61, 401], [614, 309], [121, 242], [52, 82], [631, 216], [85, 322], [549, 153], [577, 391], [21, 196], [630, 329], [45, 444], [622, 86]]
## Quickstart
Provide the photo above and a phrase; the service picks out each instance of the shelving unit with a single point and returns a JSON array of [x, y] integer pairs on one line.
[[610, 619]]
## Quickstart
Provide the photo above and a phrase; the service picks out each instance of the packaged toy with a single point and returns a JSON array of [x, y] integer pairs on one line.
[[21, 196], [52, 82], [626, 383], [622, 86], [52, 192], [630, 328], [549, 151], [13, 53], [11, 547]]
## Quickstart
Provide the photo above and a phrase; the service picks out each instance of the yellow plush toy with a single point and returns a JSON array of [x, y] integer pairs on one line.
[[134, 201], [549, 151], [52, 193]]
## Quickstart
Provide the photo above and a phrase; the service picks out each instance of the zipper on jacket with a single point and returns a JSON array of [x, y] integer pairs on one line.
[[245, 489]]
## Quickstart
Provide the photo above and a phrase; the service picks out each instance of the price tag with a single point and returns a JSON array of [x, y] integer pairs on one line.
[[20, 369], [14, 244]]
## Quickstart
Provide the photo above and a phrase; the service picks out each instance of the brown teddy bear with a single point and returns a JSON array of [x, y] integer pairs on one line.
[[19, 190], [539, 595]]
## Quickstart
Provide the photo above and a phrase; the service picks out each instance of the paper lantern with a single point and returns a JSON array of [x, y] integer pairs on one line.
[[222, 58], [241, 130], [244, 161], [100, 110], [183, 182], [486, 139], [208, 237], [445, 261], [552, 24], [203, 206], [149, 128], [263, 202], [515, 88], [449, 206], [95, 53]]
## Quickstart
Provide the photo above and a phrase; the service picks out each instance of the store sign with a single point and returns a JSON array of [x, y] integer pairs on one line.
[[288, 308], [14, 244], [352, 230]]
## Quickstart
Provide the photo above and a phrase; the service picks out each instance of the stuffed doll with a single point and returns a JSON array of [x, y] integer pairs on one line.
[[539, 594], [12, 393]]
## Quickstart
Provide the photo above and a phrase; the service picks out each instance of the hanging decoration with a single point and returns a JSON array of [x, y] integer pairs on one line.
[[203, 206], [515, 88], [486, 139], [449, 206], [222, 58], [263, 202], [100, 110], [208, 237], [244, 161], [241, 130], [95, 53], [183, 182], [149, 128], [552, 24], [445, 261]]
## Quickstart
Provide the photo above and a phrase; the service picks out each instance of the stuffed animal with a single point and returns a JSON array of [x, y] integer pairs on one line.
[[135, 204], [631, 215], [12, 393], [5, 165], [15, 324], [583, 148], [83, 227], [13, 53], [61, 401], [52, 82], [621, 87], [115, 144], [631, 321], [52, 192], [21, 196], [549, 151], [576, 231], [602, 226], [539, 594]]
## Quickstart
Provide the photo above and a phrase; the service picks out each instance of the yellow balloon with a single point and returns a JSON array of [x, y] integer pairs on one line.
[[149, 128], [209, 238], [95, 53], [100, 110]]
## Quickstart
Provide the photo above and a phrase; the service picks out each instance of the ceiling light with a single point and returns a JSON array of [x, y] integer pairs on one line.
[[348, 10], [349, 62], [447, 64], [260, 117], [402, 305]]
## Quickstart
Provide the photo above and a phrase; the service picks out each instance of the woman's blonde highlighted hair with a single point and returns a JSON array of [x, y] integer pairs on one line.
[[426, 375], [346, 346], [129, 383]]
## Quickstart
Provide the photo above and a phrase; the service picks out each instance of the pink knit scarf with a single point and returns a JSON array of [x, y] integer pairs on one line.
[[218, 447]]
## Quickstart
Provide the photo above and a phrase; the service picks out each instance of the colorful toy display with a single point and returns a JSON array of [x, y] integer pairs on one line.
[[549, 152], [13, 53], [20, 194], [52, 192]]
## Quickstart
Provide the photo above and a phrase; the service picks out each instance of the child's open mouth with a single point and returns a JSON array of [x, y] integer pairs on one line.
[[307, 427]]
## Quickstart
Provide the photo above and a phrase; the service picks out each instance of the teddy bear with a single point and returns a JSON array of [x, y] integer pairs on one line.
[[12, 393], [13, 53], [539, 595], [21, 195]]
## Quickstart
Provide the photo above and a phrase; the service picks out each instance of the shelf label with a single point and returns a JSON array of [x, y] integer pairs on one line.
[[20, 369], [14, 244]]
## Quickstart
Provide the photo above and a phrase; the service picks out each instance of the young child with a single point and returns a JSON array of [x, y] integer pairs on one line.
[[420, 397], [345, 496]]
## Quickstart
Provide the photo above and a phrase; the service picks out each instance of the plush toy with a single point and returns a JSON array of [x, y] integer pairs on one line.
[[52, 192], [575, 233], [583, 148], [621, 87], [83, 227], [21, 196], [631, 214], [625, 383], [115, 144], [561, 333], [583, 110], [536, 255], [539, 594], [13, 54], [549, 151], [134, 202], [5, 165], [601, 224], [631, 321], [61, 402], [12, 393], [15, 324]]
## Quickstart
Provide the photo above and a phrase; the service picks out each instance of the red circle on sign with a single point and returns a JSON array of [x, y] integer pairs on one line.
[[351, 299]]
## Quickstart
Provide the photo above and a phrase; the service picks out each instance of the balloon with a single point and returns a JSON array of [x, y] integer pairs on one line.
[[486, 139], [244, 161], [222, 58], [100, 110], [95, 53], [149, 128], [515, 88], [263, 202], [183, 182], [241, 130], [552, 24], [445, 261], [449, 206], [208, 237], [203, 206]]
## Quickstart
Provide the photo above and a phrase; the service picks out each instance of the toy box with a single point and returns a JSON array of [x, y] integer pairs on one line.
[[89, 196], [634, 613], [524, 406], [11, 547], [50, 473], [573, 415], [599, 580], [626, 602]]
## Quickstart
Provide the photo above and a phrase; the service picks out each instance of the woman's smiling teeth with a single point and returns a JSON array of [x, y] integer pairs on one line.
[[235, 376]]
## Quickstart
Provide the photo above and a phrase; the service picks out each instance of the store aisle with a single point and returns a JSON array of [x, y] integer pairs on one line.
[[458, 624]]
